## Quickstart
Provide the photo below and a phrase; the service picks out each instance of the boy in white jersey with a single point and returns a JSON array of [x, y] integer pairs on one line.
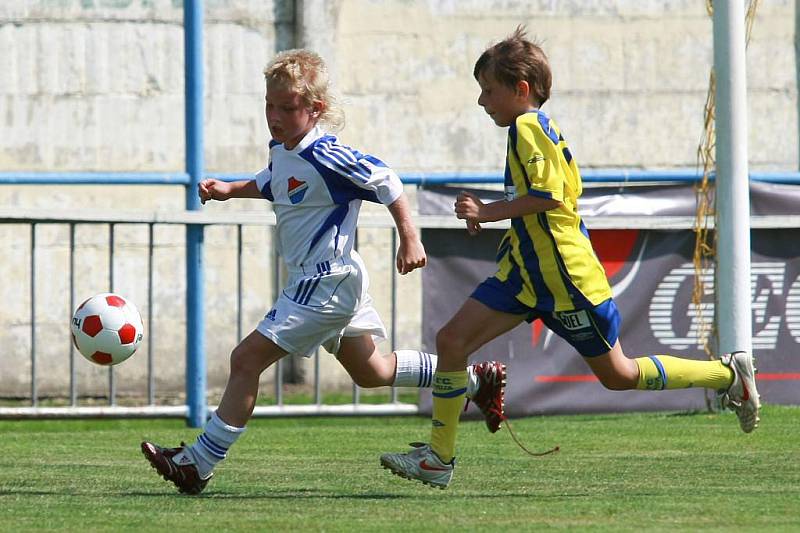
[[316, 186]]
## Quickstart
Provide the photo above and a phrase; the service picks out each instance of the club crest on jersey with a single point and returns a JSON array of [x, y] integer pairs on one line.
[[297, 190]]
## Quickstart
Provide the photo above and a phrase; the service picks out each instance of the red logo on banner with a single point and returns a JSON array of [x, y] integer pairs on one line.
[[614, 248]]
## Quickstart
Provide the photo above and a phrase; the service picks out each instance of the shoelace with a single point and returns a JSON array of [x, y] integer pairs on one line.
[[504, 419], [522, 446]]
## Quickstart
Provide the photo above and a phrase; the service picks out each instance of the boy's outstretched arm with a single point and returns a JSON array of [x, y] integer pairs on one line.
[[470, 208], [410, 253], [213, 189]]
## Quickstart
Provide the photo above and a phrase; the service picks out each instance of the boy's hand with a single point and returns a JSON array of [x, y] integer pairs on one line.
[[410, 256], [473, 228], [211, 189], [468, 207]]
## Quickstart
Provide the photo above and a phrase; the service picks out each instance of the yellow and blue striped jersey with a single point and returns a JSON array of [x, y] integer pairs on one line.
[[547, 258]]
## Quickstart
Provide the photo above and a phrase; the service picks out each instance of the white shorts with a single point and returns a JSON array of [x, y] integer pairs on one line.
[[318, 310]]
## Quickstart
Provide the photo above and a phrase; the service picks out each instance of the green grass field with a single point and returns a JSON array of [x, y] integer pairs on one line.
[[614, 472]]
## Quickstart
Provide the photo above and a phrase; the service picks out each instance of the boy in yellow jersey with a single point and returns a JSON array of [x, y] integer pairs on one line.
[[547, 269]]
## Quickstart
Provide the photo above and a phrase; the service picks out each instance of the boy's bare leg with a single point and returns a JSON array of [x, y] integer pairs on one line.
[[248, 360], [364, 362], [471, 327], [614, 370]]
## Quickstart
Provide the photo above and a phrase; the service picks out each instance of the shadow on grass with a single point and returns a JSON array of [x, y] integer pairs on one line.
[[695, 412], [274, 495], [307, 494]]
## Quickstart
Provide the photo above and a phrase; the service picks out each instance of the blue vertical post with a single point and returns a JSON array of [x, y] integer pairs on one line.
[[195, 314]]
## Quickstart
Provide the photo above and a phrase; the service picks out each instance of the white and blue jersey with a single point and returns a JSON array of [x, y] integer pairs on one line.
[[316, 189]]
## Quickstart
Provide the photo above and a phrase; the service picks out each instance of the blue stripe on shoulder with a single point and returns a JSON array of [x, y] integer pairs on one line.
[[544, 122], [341, 189], [374, 160], [347, 161], [342, 160], [512, 136]]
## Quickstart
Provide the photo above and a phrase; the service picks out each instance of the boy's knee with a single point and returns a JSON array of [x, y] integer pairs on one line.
[[244, 361], [448, 341]]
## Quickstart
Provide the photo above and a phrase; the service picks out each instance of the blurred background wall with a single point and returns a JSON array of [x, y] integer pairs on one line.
[[97, 85]]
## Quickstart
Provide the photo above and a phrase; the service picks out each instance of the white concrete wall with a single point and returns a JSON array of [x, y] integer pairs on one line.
[[98, 85], [630, 79]]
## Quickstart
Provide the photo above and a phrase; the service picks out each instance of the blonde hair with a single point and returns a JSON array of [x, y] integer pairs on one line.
[[516, 59], [305, 72]]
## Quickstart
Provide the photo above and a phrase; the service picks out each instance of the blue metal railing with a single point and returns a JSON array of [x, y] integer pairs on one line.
[[605, 175], [94, 178], [611, 175]]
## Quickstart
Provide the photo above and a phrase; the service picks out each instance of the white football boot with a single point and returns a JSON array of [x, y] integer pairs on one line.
[[742, 395], [421, 464]]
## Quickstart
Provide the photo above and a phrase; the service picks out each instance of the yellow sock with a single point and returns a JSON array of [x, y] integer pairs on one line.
[[659, 372], [448, 401]]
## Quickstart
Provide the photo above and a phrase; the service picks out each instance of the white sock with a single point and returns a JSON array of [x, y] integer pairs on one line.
[[212, 445], [416, 369]]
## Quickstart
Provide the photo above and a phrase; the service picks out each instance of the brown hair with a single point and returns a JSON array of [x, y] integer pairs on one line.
[[305, 72], [515, 59]]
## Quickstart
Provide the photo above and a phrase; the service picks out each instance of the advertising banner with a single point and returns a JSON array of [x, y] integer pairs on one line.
[[652, 277]]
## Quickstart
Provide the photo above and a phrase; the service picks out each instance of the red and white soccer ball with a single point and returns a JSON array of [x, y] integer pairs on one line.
[[107, 329]]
